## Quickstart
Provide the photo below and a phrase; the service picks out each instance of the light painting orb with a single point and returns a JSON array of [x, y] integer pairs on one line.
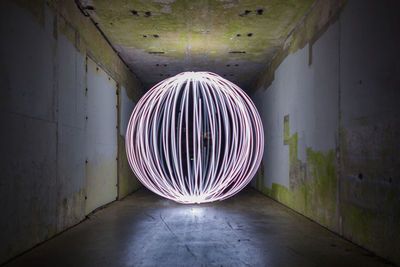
[[195, 138]]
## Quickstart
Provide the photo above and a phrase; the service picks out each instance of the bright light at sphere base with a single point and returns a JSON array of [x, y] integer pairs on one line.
[[195, 138]]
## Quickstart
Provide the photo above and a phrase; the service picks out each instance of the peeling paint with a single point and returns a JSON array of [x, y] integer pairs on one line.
[[322, 14], [313, 184], [352, 185]]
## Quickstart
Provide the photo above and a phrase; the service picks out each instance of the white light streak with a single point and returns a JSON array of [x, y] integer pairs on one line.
[[195, 138]]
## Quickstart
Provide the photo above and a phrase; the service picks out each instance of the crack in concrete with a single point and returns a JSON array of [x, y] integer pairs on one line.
[[188, 250], [173, 233], [169, 229], [148, 215]]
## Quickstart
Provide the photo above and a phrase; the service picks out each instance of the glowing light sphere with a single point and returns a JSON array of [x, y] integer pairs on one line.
[[195, 138]]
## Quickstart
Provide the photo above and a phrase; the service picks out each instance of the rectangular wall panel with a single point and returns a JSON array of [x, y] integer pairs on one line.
[[101, 138]]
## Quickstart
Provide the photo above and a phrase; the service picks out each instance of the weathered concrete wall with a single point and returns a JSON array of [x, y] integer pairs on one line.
[[48, 138], [100, 137], [370, 126], [126, 184], [331, 118]]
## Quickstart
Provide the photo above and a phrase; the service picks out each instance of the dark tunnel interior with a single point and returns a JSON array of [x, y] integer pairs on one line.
[[324, 76]]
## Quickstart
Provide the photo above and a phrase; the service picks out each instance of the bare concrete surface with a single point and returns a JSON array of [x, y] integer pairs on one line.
[[246, 230]]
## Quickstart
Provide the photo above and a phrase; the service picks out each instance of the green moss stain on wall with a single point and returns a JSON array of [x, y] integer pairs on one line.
[[189, 28], [127, 182], [68, 22], [358, 224], [368, 206], [313, 184], [370, 193]]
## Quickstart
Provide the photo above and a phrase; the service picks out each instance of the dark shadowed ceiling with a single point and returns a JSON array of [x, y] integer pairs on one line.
[[160, 38]]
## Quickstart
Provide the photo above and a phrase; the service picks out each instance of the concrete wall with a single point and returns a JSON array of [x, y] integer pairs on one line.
[[100, 137], [331, 117], [125, 182], [64, 92]]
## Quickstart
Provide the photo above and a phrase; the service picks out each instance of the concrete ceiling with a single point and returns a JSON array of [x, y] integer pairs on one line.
[[160, 38]]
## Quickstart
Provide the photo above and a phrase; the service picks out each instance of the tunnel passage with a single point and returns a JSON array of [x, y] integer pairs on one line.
[[323, 75]]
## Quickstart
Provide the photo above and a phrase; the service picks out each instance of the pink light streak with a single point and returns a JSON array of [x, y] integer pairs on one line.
[[195, 138]]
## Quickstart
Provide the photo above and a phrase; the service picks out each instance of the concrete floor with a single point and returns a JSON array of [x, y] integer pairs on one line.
[[246, 230]]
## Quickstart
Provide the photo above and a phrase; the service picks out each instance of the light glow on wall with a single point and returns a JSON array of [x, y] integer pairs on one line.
[[195, 138]]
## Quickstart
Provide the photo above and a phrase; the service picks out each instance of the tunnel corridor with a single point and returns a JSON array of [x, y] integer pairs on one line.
[[247, 230], [323, 75]]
